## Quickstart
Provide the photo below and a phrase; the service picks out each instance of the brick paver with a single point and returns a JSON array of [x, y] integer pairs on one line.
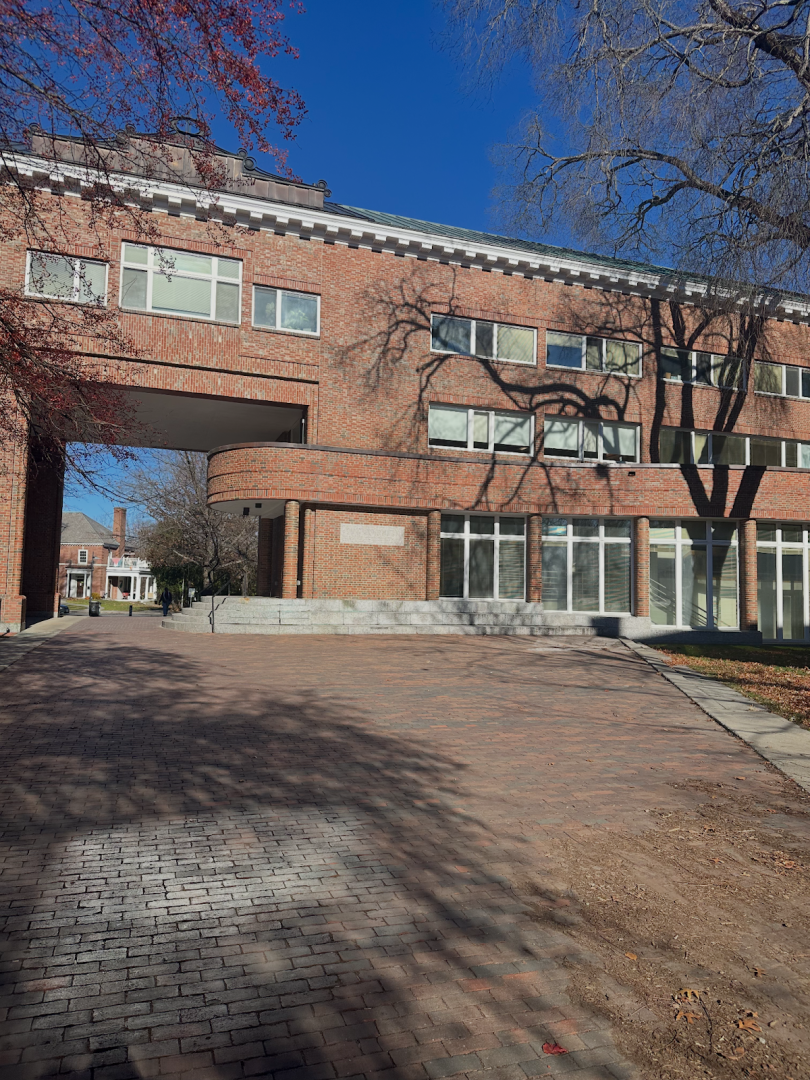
[[289, 857]]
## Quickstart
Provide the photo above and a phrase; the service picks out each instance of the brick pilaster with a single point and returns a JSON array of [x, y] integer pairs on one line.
[[289, 581], [264, 582], [641, 567], [308, 543], [749, 616], [434, 555], [534, 558]]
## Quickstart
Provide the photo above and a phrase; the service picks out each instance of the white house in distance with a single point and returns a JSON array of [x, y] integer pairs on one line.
[[95, 560]]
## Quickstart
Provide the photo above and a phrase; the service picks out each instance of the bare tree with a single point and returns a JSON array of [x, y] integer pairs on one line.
[[182, 530], [662, 129]]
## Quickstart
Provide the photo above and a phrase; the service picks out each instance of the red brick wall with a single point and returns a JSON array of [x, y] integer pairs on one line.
[[368, 571]]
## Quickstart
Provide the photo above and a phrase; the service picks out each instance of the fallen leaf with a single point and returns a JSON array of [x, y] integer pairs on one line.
[[553, 1048], [759, 972], [631, 956], [689, 1017], [736, 1054], [685, 994], [748, 1024], [739, 777]]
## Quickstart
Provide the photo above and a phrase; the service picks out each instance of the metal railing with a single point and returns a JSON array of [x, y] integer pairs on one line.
[[215, 606]]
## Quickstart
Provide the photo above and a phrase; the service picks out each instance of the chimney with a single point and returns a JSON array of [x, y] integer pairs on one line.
[[120, 528]]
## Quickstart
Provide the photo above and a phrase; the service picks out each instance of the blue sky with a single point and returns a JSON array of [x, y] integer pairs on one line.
[[393, 124]]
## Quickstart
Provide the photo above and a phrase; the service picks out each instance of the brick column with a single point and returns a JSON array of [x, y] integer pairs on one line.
[[641, 574], [13, 484], [289, 580], [433, 558], [749, 616], [265, 557], [534, 558], [308, 542]]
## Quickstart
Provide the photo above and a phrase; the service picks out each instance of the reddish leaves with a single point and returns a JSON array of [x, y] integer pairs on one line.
[[553, 1048]]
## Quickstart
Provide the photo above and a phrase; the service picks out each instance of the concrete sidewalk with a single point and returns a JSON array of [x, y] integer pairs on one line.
[[14, 647]]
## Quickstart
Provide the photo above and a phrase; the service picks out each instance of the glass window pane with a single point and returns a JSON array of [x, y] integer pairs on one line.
[[516, 343], [561, 438], [791, 534], [511, 526], [675, 364], [792, 597], [674, 446], [299, 312], [590, 436], [92, 281], [585, 577], [447, 427], [618, 527], [728, 371], [511, 559], [484, 339], [482, 568], [555, 526], [587, 527], [704, 372], [563, 350], [724, 530], [766, 593], [662, 530], [701, 448], [724, 585], [804, 455], [181, 295], [694, 530], [728, 449], [791, 455], [228, 268], [481, 430], [617, 577], [593, 354], [513, 431], [619, 442], [766, 451], [264, 307], [452, 567], [228, 302], [792, 381], [451, 334], [50, 275], [768, 378], [662, 586], [136, 253], [482, 526], [766, 532], [694, 586], [452, 523], [133, 289], [623, 357], [175, 262], [805, 383], [555, 576]]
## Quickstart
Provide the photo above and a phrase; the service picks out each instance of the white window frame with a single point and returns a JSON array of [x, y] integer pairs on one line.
[[278, 328], [79, 293], [491, 414], [679, 543], [569, 540], [783, 379], [783, 444], [152, 266], [693, 381], [603, 348], [600, 446], [83, 561], [467, 535], [777, 546], [490, 322]]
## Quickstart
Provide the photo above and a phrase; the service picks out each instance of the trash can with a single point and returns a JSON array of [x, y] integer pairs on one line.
[[95, 607]]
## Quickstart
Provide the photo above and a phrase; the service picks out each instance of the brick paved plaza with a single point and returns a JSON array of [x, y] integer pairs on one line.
[[301, 857]]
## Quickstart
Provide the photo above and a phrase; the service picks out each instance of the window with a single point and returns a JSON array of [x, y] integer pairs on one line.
[[593, 353], [586, 564], [782, 379], [594, 440], [782, 593], [82, 556], [181, 283], [480, 429], [693, 573], [701, 368], [60, 277], [281, 309], [720, 448], [489, 340], [483, 556]]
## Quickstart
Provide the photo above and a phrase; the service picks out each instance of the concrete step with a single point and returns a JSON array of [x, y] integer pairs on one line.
[[196, 626]]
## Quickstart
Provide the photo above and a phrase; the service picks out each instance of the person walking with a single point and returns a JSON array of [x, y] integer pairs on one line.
[[166, 599]]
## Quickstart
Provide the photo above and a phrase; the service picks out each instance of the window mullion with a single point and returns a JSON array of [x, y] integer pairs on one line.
[[601, 563], [805, 582], [779, 606], [473, 343], [491, 431], [600, 442], [496, 575], [466, 589], [569, 567], [678, 576]]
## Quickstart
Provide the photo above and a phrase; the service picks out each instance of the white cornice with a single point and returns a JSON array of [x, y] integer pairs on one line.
[[256, 213]]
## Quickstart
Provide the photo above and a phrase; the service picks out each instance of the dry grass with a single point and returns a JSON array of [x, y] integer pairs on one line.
[[777, 676]]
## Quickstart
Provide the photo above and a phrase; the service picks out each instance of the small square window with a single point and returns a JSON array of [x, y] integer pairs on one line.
[[283, 309]]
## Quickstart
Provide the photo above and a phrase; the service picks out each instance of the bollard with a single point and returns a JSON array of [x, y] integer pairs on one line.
[[130, 609]]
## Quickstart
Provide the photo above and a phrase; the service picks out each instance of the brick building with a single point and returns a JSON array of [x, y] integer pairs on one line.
[[95, 560], [421, 413]]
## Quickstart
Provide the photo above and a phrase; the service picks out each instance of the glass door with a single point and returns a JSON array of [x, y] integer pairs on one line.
[[483, 556]]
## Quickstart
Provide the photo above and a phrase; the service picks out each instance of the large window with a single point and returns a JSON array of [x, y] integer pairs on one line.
[[59, 277], [597, 440], [693, 573], [586, 564], [782, 592], [181, 283], [593, 353], [480, 429], [489, 340], [683, 447], [483, 556], [785, 380], [701, 368], [281, 309]]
